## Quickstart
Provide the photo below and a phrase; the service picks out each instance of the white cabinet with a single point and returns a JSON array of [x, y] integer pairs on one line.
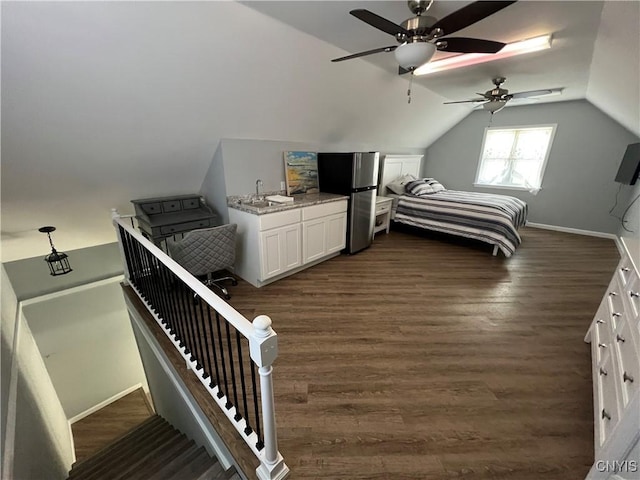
[[280, 250], [615, 345], [274, 245], [383, 214], [323, 230]]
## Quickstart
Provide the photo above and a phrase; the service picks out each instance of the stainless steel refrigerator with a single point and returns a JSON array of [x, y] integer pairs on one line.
[[354, 174]]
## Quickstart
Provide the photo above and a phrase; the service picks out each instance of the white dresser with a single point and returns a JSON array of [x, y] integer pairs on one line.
[[614, 335]]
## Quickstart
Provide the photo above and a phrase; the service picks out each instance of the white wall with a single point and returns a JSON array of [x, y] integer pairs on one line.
[[87, 344], [104, 102], [578, 187], [36, 438]]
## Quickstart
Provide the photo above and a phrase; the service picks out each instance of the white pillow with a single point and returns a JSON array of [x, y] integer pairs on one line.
[[397, 186]]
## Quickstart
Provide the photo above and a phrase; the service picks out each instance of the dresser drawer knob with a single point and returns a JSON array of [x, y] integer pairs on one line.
[[633, 294], [620, 338], [603, 372], [613, 294], [616, 314], [625, 269], [627, 378], [602, 345], [600, 321], [605, 414]]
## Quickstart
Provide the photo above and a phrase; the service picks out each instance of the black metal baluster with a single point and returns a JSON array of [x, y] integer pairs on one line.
[[173, 302], [247, 428], [185, 298], [206, 359], [153, 293], [135, 267], [260, 442], [125, 248], [144, 289], [193, 318], [213, 349], [166, 306], [224, 366], [233, 372]]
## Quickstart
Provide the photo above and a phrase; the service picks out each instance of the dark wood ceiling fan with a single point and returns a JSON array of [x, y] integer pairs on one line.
[[420, 36]]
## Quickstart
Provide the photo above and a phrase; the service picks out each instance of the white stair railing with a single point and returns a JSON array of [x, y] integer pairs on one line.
[[168, 291]]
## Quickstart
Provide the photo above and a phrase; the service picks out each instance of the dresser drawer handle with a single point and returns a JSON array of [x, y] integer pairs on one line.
[[600, 321], [633, 294], [616, 314], [603, 372], [625, 269], [605, 414], [602, 345], [627, 378], [620, 338], [613, 294]]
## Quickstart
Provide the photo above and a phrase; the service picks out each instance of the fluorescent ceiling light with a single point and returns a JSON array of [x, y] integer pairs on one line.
[[464, 60]]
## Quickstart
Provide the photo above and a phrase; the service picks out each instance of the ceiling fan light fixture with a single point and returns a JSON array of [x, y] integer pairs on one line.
[[510, 50], [494, 106], [412, 55]]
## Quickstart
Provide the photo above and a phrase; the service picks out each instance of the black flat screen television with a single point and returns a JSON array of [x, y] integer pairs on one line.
[[630, 165]]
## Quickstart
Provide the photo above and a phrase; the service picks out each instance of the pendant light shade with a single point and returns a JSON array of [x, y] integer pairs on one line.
[[494, 105], [413, 55], [58, 261]]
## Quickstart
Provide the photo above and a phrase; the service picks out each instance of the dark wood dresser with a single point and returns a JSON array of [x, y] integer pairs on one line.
[[162, 217]]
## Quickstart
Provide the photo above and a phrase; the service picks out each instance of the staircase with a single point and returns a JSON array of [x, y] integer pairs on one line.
[[153, 450]]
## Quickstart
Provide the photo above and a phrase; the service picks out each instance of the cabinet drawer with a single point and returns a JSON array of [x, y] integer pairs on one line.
[[190, 203], [172, 206], [625, 270], [629, 374], [279, 219], [323, 210], [632, 292], [608, 412], [383, 208], [151, 208], [603, 332], [184, 227]]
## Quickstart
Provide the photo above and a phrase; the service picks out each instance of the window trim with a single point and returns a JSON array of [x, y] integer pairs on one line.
[[553, 126]]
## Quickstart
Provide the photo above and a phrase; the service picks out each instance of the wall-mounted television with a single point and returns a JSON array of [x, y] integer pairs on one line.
[[630, 165]]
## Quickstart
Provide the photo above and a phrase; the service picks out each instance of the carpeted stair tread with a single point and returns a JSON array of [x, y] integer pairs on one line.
[[128, 439], [175, 449], [154, 450], [124, 450]]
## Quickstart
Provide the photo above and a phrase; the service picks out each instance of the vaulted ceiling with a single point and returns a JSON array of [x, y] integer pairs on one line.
[[103, 102]]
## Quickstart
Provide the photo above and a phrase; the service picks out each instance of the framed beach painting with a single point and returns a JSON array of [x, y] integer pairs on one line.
[[301, 172]]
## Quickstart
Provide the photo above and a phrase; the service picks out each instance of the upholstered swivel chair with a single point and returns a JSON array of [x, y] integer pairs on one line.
[[205, 251]]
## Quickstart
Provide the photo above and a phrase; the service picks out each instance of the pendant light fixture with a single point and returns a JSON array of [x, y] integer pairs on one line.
[[58, 261]]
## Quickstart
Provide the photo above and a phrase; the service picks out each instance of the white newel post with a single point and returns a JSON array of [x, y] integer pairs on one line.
[[114, 216], [264, 350]]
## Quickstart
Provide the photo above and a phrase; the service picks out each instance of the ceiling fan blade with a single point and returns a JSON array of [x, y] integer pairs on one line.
[[378, 22], [533, 93], [469, 15], [475, 100], [469, 45], [368, 52], [402, 71]]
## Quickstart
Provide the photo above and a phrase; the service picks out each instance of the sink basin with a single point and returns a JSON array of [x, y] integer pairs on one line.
[[258, 203]]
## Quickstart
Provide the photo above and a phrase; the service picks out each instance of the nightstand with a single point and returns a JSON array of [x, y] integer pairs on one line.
[[383, 214]]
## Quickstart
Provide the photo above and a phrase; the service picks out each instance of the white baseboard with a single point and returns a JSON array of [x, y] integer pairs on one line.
[[106, 402], [576, 231]]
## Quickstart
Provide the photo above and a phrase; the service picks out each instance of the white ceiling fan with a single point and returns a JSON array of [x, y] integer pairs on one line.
[[496, 99]]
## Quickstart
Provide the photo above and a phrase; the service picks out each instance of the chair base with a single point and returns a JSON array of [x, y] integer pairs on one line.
[[215, 282]]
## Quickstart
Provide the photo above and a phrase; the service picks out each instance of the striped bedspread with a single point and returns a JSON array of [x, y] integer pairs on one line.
[[493, 219]]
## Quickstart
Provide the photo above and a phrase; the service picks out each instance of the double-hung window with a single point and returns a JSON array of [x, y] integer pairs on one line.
[[514, 157]]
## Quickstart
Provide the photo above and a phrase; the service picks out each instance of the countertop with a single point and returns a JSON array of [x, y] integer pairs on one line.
[[299, 201]]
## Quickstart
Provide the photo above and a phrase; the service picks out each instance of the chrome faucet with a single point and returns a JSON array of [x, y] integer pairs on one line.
[[258, 185]]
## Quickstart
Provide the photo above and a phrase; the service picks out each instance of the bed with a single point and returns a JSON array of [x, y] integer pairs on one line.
[[426, 204]]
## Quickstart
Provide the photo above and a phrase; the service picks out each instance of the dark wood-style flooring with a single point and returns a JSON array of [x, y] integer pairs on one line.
[[424, 357], [102, 427]]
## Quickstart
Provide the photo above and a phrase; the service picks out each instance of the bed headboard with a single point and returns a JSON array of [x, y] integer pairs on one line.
[[395, 166]]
